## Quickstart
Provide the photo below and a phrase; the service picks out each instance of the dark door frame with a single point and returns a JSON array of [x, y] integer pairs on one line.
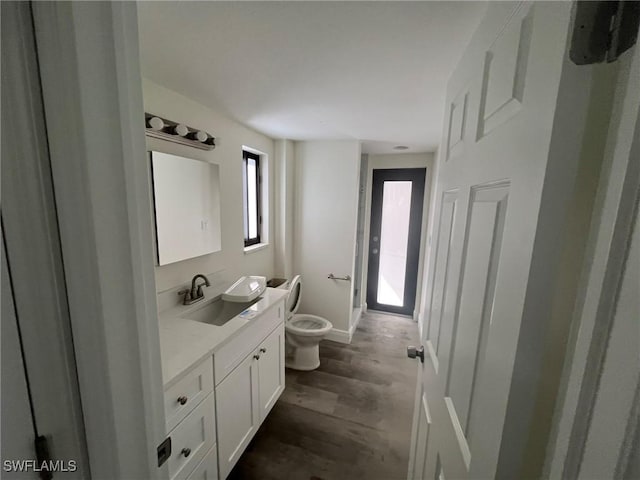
[[417, 176]]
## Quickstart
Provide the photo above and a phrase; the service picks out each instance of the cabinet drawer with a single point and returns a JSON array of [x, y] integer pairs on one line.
[[207, 469], [192, 439], [233, 352], [187, 393]]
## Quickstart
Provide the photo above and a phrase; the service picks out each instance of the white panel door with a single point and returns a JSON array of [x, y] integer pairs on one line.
[[271, 370], [506, 146]]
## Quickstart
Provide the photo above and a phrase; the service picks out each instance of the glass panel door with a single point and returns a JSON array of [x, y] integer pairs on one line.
[[397, 196], [394, 238]]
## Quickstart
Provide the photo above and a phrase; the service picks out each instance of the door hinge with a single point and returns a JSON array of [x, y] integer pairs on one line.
[[43, 457], [164, 451], [603, 30]]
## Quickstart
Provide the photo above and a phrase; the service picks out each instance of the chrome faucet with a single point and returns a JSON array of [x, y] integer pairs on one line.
[[195, 293]]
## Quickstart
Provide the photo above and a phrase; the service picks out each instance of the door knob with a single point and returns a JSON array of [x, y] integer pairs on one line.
[[375, 251], [413, 352]]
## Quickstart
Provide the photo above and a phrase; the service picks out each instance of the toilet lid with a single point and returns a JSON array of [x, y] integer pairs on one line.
[[293, 300]]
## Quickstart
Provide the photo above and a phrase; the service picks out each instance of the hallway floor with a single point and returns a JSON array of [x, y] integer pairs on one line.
[[350, 418]]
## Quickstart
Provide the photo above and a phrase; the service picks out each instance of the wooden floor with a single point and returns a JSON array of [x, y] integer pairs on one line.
[[350, 418]]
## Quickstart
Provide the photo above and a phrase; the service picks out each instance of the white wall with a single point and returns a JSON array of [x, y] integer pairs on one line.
[[400, 160], [284, 165], [325, 211], [231, 262]]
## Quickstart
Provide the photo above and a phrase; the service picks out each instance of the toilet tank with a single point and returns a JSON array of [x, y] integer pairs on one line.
[[281, 283]]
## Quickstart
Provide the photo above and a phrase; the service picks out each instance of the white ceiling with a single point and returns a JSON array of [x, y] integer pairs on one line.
[[372, 71]]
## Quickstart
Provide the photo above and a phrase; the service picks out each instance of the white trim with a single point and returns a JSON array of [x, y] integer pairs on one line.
[[255, 151], [255, 248], [409, 160], [92, 93], [37, 327], [340, 336], [357, 312], [607, 243], [344, 336]]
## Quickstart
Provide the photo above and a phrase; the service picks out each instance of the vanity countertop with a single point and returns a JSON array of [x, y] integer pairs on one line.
[[184, 342]]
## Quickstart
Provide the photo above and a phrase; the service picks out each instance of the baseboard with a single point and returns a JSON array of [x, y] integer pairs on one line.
[[340, 336], [344, 336], [358, 314], [416, 315]]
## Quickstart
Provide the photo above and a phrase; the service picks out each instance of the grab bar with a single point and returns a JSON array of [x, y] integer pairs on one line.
[[331, 276]]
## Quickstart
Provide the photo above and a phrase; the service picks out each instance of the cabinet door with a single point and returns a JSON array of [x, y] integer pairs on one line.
[[208, 467], [271, 370], [237, 412]]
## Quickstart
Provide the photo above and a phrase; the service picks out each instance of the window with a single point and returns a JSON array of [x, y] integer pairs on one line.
[[251, 198]]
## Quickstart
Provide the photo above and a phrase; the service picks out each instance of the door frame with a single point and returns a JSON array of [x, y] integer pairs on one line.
[[90, 75], [33, 273], [418, 178], [405, 160], [617, 204]]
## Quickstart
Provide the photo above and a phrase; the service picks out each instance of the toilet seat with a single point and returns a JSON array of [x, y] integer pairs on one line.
[[303, 332], [293, 298], [307, 325]]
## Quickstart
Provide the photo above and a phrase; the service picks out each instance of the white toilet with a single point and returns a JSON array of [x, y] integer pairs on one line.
[[303, 332]]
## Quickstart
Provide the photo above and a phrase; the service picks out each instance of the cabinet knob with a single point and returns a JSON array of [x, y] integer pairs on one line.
[[263, 350], [257, 357], [186, 452], [182, 400]]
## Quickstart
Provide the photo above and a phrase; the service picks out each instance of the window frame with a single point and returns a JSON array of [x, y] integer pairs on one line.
[[250, 241]]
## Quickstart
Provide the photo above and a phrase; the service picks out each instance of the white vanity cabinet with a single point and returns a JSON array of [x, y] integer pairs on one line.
[[247, 394], [190, 420], [270, 371], [214, 409], [245, 397]]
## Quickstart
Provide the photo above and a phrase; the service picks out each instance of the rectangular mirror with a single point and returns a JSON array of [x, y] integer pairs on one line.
[[186, 195]]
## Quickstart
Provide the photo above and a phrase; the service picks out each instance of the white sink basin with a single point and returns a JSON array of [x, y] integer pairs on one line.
[[245, 289], [219, 312]]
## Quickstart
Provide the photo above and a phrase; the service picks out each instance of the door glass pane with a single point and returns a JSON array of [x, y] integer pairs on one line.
[[394, 239], [252, 194]]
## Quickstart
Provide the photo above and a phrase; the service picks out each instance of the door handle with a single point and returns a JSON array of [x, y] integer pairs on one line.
[[375, 251], [413, 352], [346, 278]]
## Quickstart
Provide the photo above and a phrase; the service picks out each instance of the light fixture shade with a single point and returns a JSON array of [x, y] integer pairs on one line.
[[156, 123], [181, 130]]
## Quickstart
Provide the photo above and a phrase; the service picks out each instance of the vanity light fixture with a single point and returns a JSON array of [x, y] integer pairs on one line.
[[158, 127]]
